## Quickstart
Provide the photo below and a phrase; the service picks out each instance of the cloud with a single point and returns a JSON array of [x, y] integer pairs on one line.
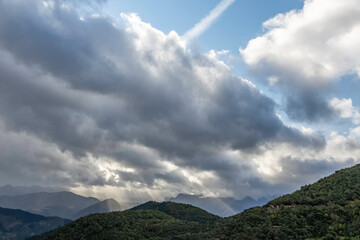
[[345, 109], [207, 21], [307, 105], [306, 171], [27, 159], [92, 106], [285, 167], [308, 50], [312, 46]]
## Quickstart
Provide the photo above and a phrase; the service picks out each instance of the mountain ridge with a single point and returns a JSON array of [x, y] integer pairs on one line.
[[10, 190], [62, 204], [18, 224], [185, 212]]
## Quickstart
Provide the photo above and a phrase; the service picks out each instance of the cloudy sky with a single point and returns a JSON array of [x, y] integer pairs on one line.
[[140, 100]]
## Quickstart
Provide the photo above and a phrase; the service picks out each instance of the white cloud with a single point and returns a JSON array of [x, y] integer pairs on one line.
[[207, 21], [355, 132], [286, 165], [345, 109], [310, 47]]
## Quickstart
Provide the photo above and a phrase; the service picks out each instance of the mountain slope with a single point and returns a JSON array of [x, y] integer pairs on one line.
[[223, 207], [180, 211], [339, 188], [61, 204], [327, 209], [129, 224], [108, 205], [18, 224]]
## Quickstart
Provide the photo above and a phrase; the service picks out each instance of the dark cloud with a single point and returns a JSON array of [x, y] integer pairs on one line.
[[308, 105], [306, 171], [92, 95], [27, 160], [301, 101]]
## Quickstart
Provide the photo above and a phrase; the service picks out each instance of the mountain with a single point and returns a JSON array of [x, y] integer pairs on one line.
[[179, 211], [18, 224], [61, 204], [108, 205], [9, 190], [223, 207], [151, 220], [327, 209], [129, 224]]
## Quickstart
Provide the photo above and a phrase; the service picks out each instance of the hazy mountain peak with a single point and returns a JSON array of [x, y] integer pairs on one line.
[[63, 204], [105, 206], [221, 206], [10, 190]]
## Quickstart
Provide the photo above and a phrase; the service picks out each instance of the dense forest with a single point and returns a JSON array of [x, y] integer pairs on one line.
[[17, 224], [184, 212], [327, 209], [130, 224]]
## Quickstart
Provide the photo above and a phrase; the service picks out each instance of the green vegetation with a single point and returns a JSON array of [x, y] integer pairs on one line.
[[18, 224], [294, 222], [130, 224], [328, 209], [184, 212]]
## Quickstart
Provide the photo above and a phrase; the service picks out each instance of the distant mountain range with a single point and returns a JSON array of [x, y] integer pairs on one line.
[[18, 224], [223, 207], [9, 190], [47, 210], [30, 221], [72, 206], [61, 204]]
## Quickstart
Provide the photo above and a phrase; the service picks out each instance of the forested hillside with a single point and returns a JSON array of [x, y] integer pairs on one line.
[[130, 224], [18, 224], [328, 209], [184, 212]]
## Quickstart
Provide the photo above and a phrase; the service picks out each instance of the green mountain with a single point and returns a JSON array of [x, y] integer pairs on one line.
[[18, 224], [185, 212], [130, 224], [328, 209]]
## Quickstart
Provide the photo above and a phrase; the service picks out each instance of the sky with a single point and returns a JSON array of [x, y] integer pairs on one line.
[[140, 100]]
